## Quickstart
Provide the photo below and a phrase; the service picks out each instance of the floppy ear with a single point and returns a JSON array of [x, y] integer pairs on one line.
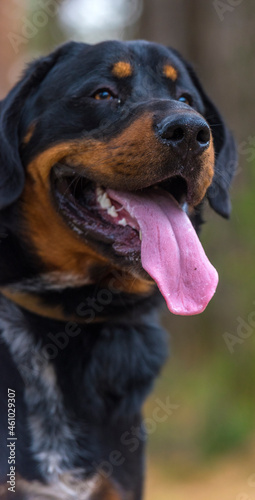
[[225, 151], [12, 174]]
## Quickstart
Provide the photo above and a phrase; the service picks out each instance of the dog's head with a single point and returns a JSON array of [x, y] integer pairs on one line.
[[98, 144]]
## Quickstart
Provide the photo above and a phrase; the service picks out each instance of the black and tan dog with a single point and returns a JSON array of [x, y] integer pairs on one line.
[[100, 147]]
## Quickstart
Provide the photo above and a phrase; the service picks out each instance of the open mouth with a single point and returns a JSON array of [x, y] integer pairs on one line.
[[150, 227], [91, 212]]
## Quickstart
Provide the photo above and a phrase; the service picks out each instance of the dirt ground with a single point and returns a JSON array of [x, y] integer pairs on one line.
[[232, 478]]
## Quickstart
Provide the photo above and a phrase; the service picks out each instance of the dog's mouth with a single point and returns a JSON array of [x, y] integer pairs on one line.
[[150, 226], [92, 213]]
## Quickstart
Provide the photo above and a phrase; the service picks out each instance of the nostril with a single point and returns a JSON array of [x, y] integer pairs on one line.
[[174, 134], [203, 135], [177, 134]]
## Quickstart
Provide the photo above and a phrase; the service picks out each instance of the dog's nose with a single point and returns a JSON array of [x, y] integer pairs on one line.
[[185, 132]]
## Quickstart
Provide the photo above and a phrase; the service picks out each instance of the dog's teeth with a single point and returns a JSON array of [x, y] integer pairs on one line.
[[185, 207], [112, 211], [122, 222], [140, 235], [102, 198], [104, 201], [99, 192]]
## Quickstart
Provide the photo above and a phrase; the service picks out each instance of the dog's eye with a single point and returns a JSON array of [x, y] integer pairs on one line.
[[103, 95], [187, 99]]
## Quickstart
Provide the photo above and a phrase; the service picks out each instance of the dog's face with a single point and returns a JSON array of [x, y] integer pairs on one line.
[[88, 122]]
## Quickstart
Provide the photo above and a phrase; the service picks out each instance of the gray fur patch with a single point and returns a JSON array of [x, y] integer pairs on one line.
[[53, 445]]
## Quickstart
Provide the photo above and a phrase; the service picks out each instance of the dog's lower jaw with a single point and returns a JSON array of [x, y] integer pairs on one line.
[[83, 391]]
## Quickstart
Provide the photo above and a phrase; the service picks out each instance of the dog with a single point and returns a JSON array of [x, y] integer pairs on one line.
[[108, 154]]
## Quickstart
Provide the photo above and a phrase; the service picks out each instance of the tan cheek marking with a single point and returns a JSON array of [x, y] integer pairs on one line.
[[170, 72], [121, 158], [122, 69], [29, 134], [206, 174], [110, 162], [56, 244]]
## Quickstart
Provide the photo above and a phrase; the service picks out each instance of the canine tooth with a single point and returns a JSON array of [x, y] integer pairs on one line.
[[122, 222], [104, 201], [185, 207], [112, 211], [99, 192], [140, 235]]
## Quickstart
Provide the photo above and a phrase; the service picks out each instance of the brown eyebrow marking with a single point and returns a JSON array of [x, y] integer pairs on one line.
[[29, 133], [122, 69], [170, 72]]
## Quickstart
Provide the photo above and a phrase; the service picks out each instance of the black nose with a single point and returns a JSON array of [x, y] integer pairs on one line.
[[185, 132]]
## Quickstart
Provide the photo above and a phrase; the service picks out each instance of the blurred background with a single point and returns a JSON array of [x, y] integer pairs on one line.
[[205, 448]]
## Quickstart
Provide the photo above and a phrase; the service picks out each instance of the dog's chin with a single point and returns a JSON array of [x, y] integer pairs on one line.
[[100, 221]]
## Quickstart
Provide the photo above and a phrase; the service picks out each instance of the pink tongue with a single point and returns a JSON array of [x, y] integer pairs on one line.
[[171, 251]]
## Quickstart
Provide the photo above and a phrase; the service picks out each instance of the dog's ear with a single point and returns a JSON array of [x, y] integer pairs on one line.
[[12, 174], [225, 151]]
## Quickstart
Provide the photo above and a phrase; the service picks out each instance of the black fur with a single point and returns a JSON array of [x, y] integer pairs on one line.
[[103, 371]]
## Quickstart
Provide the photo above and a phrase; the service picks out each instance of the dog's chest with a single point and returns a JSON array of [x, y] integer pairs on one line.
[[53, 434]]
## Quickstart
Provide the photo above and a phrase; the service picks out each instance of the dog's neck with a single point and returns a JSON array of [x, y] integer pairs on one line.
[[81, 305], [34, 304], [103, 299]]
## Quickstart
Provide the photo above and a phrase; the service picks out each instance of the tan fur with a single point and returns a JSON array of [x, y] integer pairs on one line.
[[122, 69], [33, 303], [170, 72], [206, 174], [29, 134], [124, 162], [69, 487]]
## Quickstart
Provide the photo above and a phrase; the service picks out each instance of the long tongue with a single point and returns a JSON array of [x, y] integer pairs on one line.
[[171, 251]]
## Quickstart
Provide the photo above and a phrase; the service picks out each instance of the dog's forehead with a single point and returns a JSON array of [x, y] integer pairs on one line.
[[126, 58], [137, 50], [140, 66], [144, 63]]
